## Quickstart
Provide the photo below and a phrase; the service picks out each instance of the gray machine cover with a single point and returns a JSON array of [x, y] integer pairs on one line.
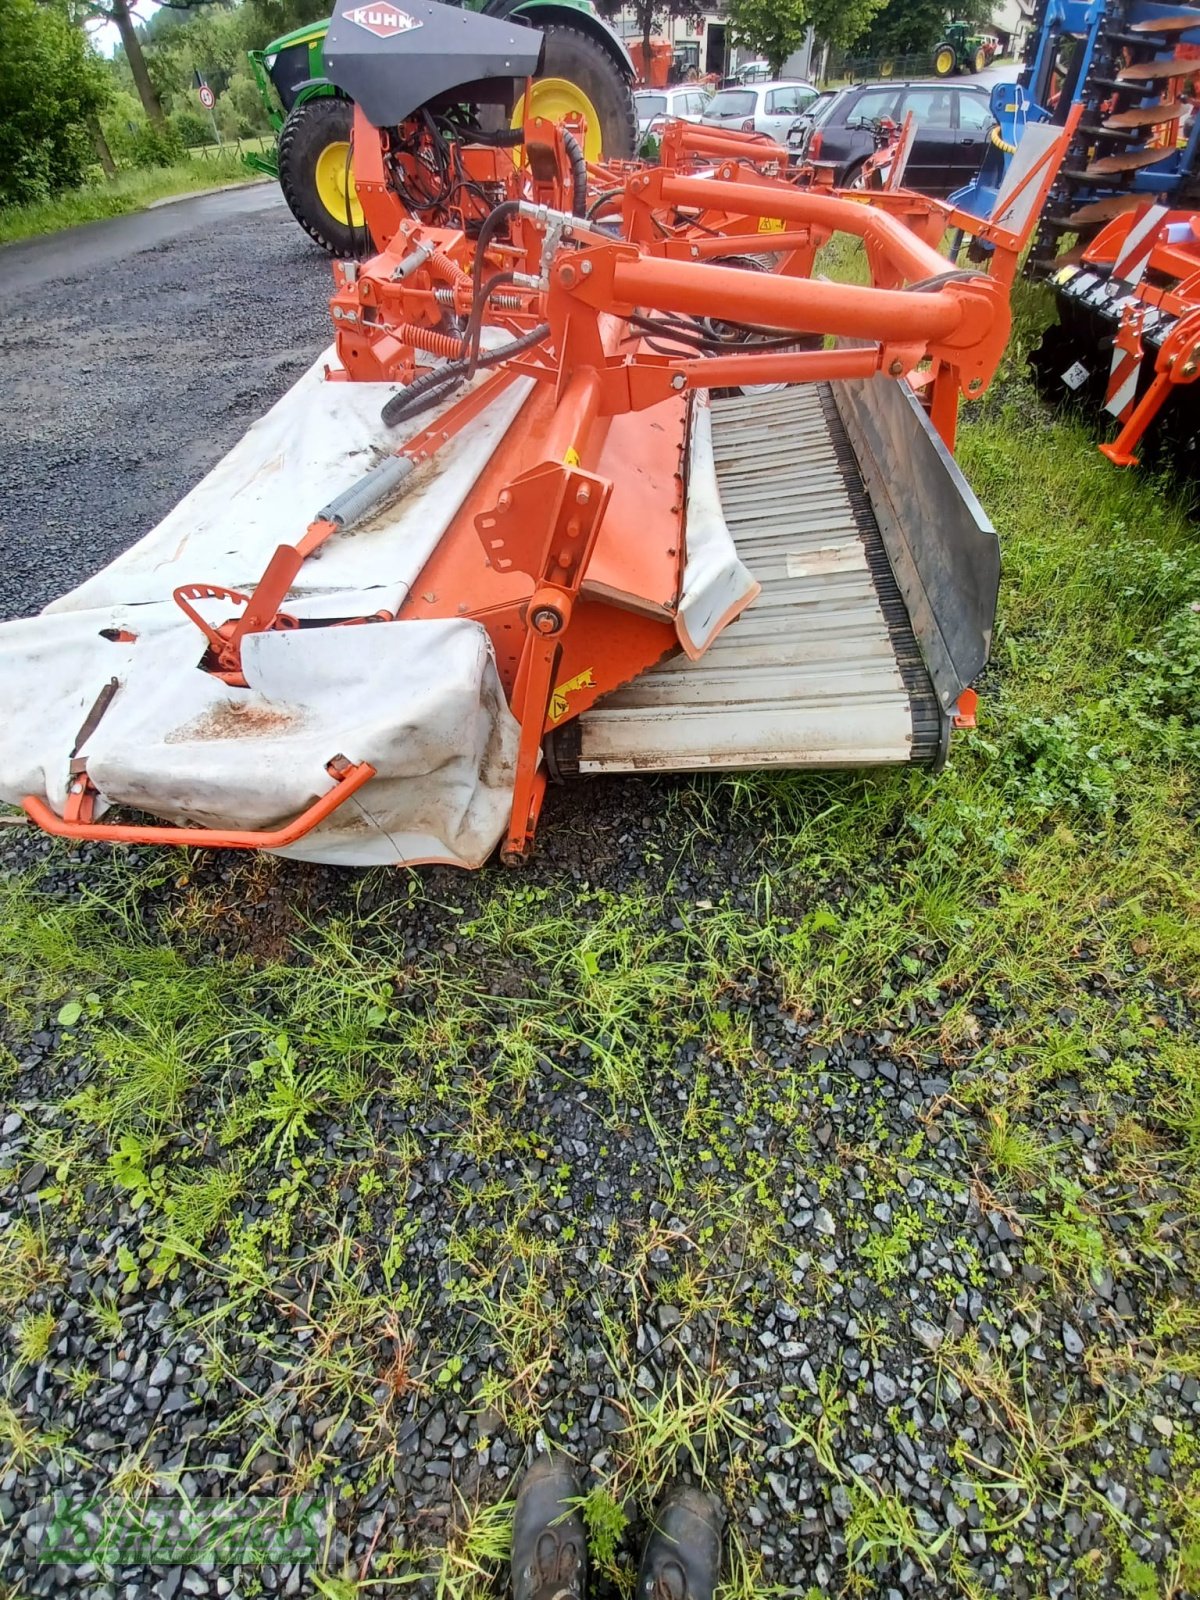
[[391, 56]]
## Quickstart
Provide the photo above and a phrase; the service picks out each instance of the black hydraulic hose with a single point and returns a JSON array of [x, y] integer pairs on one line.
[[579, 176], [442, 381]]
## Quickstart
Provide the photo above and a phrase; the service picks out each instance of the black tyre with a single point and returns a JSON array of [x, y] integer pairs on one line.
[[852, 177], [577, 58], [945, 60], [316, 177]]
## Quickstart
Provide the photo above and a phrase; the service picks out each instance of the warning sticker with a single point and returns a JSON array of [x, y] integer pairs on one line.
[[1075, 375], [383, 20], [558, 700], [770, 224]]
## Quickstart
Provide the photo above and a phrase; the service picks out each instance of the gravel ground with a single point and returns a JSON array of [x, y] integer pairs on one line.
[[125, 383], [792, 1235]]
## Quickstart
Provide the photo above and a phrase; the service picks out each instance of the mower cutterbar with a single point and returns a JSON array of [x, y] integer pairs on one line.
[[501, 532]]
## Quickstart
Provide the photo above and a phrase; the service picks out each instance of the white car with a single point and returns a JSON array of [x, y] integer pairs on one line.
[[768, 108], [683, 101]]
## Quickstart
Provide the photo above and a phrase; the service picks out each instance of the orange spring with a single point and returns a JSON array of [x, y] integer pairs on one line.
[[438, 344], [442, 267]]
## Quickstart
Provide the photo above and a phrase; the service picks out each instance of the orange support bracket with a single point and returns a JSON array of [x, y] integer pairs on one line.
[[348, 778], [545, 524]]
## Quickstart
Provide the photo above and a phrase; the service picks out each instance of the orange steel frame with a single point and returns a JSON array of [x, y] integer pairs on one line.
[[1171, 283], [569, 549]]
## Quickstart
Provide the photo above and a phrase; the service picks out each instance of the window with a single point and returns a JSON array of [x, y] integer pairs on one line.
[[931, 107], [784, 102], [974, 113], [871, 106], [733, 103], [650, 105], [693, 103]]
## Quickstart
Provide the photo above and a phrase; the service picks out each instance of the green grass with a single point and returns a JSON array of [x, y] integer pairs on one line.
[[129, 191]]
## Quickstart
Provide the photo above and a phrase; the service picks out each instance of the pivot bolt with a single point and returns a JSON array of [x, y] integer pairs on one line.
[[547, 620], [896, 368], [678, 381], [567, 277], [585, 268]]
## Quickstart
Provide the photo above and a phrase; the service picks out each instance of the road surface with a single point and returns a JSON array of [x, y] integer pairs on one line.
[[136, 352]]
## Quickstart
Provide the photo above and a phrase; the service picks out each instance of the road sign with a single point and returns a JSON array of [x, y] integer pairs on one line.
[[207, 98]]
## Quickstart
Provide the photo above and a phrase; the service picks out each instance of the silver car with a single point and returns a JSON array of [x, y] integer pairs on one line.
[[769, 108], [684, 101]]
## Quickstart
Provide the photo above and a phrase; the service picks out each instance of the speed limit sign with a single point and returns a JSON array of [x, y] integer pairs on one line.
[[207, 98]]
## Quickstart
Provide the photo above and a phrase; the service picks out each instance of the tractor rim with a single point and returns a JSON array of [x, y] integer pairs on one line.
[[335, 184], [560, 100], [944, 61]]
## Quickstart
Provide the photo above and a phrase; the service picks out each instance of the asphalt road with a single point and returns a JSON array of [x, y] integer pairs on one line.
[[135, 353]]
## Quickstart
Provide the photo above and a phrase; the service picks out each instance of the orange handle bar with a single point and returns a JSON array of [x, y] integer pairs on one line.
[[351, 779], [915, 259], [795, 304]]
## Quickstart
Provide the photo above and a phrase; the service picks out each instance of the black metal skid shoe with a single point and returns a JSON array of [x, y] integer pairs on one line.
[[549, 1547], [682, 1557]]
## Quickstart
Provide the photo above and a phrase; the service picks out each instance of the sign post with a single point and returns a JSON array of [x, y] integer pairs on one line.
[[208, 100]]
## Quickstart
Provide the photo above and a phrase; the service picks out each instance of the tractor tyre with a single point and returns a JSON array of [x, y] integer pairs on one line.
[[317, 177], [578, 74], [981, 59], [945, 60]]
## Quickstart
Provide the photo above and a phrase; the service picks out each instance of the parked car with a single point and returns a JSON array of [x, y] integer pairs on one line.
[[685, 101], [769, 108], [953, 123], [750, 72]]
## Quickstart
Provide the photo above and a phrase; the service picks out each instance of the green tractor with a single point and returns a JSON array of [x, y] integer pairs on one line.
[[587, 71], [962, 50]]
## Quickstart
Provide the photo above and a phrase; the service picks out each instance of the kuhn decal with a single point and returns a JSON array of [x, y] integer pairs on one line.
[[384, 20]]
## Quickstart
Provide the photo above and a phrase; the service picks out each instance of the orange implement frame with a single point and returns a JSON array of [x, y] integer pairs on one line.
[[575, 573]]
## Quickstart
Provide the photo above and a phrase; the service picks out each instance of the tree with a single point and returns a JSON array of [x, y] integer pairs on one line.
[[911, 26], [50, 85], [647, 13], [840, 22], [773, 28]]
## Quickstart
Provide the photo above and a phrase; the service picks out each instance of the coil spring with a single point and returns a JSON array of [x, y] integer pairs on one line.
[[501, 301], [441, 265], [438, 344]]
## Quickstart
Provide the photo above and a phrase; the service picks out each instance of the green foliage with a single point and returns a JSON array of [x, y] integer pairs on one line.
[[1057, 762], [1165, 674], [914, 25], [606, 1522], [840, 22], [773, 28], [49, 86], [191, 128]]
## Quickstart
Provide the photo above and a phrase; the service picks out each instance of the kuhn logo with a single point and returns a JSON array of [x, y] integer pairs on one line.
[[384, 21]]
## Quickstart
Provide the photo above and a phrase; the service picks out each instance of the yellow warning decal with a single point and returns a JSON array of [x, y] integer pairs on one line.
[[558, 700], [770, 224], [1065, 274], [571, 459]]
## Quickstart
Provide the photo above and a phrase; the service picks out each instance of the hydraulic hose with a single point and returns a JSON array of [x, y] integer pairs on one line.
[[579, 174], [442, 381]]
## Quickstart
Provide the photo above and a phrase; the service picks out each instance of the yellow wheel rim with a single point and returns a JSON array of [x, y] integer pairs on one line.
[[560, 100], [887, 69], [335, 184], [944, 64]]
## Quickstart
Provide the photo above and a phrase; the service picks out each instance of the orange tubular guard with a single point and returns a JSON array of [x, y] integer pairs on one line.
[[351, 780]]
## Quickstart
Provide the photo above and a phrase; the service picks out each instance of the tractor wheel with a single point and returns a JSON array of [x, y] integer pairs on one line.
[[580, 78], [945, 60], [981, 59], [316, 174]]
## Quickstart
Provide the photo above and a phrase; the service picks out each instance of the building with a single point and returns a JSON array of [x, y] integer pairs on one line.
[[706, 45]]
